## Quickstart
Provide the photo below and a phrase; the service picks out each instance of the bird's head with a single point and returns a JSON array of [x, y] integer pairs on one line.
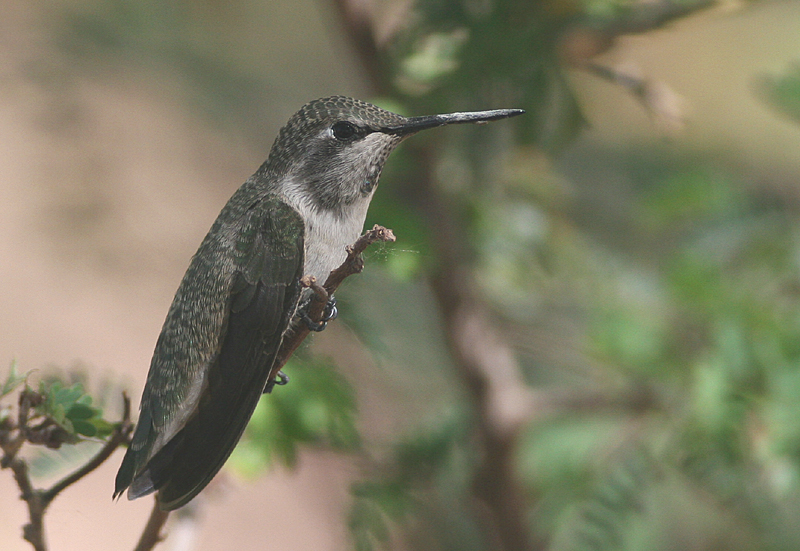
[[333, 149]]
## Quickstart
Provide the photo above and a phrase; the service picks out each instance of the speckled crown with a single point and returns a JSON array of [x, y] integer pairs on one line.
[[323, 112]]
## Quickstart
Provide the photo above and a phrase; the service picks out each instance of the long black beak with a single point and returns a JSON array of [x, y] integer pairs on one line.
[[415, 124]]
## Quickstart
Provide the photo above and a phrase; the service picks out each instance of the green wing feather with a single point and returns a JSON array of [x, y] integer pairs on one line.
[[215, 352]]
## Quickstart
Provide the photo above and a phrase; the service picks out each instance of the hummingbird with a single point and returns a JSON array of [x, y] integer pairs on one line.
[[241, 292]]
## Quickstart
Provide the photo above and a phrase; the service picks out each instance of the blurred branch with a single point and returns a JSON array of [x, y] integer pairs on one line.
[[486, 364], [580, 43], [151, 535], [591, 35], [44, 433], [359, 28], [353, 264], [642, 17], [661, 102]]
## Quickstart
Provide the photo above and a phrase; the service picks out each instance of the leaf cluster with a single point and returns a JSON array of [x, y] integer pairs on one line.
[[52, 414], [70, 407]]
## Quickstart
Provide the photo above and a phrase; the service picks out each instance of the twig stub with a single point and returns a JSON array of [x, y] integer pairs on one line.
[[310, 282], [354, 263]]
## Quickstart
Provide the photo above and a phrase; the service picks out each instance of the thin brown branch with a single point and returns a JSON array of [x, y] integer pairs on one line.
[[38, 500], [27, 400], [33, 531], [151, 535], [353, 264], [665, 106]]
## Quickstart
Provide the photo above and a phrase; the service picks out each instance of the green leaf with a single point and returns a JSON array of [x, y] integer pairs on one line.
[[79, 411], [86, 400], [70, 407], [13, 380], [84, 428], [69, 395], [103, 427], [59, 415]]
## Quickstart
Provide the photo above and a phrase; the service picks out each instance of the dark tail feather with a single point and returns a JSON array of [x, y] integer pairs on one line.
[[125, 473], [156, 470], [180, 472]]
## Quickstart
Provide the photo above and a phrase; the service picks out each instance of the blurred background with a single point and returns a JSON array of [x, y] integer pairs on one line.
[[587, 336]]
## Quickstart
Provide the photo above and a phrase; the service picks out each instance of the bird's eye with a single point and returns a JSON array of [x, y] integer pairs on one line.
[[344, 131]]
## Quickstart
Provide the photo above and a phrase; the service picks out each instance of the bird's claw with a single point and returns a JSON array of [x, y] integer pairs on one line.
[[329, 313], [280, 379]]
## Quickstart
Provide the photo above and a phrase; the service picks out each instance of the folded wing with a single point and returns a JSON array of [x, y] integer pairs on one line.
[[264, 264]]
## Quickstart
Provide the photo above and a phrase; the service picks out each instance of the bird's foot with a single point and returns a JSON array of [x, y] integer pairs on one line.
[[280, 380], [329, 313]]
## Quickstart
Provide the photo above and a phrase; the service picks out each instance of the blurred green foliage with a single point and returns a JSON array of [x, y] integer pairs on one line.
[[318, 408], [423, 480], [673, 272], [13, 380], [783, 92]]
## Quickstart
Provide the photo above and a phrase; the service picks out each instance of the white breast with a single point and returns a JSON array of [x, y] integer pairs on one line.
[[325, 241], [327, 234]]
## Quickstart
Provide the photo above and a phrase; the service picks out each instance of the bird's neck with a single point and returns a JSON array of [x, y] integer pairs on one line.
[[327, 232]]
